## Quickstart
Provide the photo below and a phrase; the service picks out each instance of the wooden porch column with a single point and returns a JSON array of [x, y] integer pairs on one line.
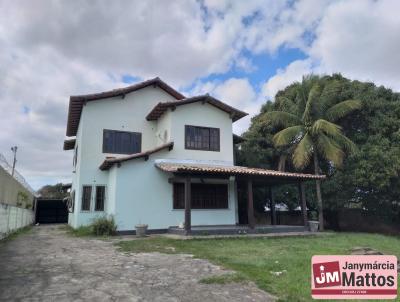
[[303, 203], [188, 223], [250, 205], [272, 205]]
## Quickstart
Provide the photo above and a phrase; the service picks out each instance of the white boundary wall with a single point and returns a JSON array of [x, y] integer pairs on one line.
[[13, 218]]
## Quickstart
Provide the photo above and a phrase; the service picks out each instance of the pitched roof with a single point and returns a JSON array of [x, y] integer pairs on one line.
[[110, 161], [69, 144], [76, 102], [160, 108], [232, 170]]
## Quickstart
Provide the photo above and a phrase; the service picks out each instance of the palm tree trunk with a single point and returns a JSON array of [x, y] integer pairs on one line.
[[282, 162], [319, 196]]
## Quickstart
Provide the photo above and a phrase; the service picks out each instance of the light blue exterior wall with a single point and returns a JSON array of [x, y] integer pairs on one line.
[[146, 197], [137, 191]]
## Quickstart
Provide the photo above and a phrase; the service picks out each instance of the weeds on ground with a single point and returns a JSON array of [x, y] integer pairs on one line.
[[15, 234], [101, 226]]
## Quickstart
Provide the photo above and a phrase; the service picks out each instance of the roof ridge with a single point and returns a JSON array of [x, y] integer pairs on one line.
[[76, 101], [161, 107]]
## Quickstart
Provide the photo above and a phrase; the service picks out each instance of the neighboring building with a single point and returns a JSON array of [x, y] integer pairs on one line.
[[14, 190], [139, 150]]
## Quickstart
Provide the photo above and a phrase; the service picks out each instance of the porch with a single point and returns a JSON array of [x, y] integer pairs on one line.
[[187, 173], [237, 229]]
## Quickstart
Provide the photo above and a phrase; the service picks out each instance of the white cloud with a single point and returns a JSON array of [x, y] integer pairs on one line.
[[356, 38], [361, 40], [237, 92], [284, 77], [53, 49]]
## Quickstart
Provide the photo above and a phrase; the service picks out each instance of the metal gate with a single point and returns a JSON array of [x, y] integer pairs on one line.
[[51, 211]]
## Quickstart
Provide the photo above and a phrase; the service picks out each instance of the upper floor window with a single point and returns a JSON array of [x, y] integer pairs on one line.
[[121, 142], [202, 138]]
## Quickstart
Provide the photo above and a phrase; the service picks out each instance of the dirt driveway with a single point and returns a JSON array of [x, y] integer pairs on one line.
[[48, 265]]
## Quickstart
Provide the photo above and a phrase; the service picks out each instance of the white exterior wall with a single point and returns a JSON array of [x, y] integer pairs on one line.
[[138, 192], [205, 115]]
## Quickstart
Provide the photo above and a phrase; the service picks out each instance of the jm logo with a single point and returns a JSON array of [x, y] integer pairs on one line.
[[326, 274], [329, 278]]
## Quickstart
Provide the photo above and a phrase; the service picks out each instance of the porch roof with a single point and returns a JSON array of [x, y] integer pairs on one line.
[[69, 144], [218, 170], [110, 161]]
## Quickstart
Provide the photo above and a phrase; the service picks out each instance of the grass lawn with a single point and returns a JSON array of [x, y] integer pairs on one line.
[[255, 258]]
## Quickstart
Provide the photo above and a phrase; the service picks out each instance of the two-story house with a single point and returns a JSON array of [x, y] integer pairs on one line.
[[146, 154]]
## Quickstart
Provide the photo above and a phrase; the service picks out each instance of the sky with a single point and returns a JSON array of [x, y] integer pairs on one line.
[[241, 52]]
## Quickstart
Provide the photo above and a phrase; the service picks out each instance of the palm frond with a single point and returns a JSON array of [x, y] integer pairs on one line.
[[312, 100], [281, 119], [347, 144], [326, 127], [287, 105], [303, 152], [288, 136], [301, 98], [342, 109], [330, 149], [330, 94]]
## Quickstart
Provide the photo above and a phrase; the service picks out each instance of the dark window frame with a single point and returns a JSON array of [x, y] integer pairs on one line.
[[113, 148], [84, 200], [208, 142], [103, 202], [216, 193]]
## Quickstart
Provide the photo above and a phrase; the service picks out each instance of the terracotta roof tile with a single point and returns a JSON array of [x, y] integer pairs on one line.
[[160, 108], [231, 170], [110, 161], [76, 102]]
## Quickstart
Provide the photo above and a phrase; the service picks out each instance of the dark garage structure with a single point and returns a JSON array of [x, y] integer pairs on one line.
[[51, 211]]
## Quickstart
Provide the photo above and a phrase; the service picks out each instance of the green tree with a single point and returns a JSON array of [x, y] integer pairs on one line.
[[368, 180], [307, 118], [53, 191]]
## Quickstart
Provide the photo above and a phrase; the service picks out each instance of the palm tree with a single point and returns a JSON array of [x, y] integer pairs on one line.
[[309, 131]]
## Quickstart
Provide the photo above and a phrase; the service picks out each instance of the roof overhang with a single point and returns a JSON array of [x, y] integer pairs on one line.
[[77, 102], [201, 170], [69, 144], [161, 108], [110, 161]]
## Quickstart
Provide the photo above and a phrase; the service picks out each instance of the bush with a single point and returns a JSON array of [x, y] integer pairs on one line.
[[104, 226]]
